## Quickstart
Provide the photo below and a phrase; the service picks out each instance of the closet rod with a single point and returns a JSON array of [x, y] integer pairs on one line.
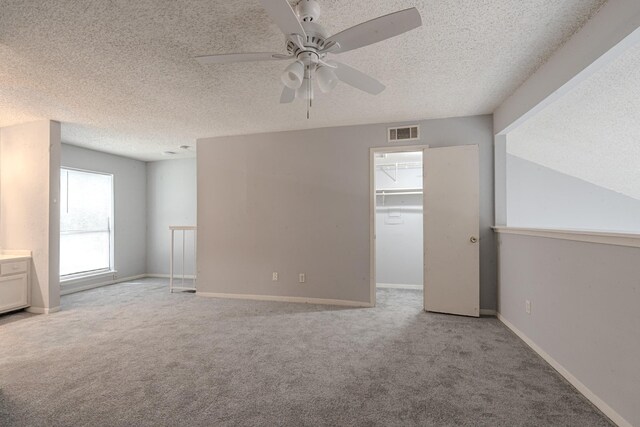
[[417, 190], [401, 193]]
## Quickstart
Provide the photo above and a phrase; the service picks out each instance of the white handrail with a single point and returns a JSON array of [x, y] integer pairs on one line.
[[184, 229]]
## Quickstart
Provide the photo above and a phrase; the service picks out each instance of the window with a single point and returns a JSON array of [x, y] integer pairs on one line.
[[86, 223]]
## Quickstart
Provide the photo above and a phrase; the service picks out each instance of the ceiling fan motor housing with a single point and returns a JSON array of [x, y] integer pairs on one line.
[[308, 10], [316, 36]]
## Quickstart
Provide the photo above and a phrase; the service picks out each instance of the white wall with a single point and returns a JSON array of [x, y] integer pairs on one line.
[[608, 34], [399, 223], [130, 191], [539, 197], [584, 311], [29, 209], [298, 202], [171, 200]]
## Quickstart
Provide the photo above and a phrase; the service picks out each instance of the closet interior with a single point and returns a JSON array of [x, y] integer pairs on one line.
[[399, 219]]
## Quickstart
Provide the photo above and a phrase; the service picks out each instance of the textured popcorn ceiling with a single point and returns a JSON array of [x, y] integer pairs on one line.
[[593, 132], [121, 77]]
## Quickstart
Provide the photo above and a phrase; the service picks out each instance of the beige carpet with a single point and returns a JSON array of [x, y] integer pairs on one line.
[[135, 355]]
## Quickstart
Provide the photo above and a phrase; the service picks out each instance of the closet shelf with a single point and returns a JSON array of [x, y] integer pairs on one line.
[[386, 167]]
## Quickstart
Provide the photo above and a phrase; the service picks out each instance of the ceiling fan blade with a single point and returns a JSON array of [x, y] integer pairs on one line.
[[283, 15], [358, 79], [288, 95], [376, 30], [240, 57]]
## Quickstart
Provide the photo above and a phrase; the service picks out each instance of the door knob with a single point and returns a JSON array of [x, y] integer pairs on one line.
[[473, 239]]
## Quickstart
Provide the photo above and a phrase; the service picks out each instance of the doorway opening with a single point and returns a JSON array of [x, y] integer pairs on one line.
[[450, 257], [397, 175]]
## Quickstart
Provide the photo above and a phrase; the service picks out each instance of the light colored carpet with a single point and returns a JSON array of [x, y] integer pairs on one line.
[[135, 355]]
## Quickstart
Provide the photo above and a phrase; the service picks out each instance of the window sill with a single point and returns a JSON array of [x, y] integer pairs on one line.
[[589, 236]]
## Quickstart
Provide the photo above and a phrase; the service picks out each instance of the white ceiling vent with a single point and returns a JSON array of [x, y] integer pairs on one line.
[[409, 133]]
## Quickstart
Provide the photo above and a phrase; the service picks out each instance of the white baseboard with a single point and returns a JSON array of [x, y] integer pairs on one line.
[[83, 279], [41, 310], [301, 300], [166, 276], [71, 289], [487, 312], [599, 403], [398, 286]]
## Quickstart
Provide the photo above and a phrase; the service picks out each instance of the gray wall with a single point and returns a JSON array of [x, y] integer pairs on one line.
[[539, 197], [399, 237], [584, 310], [130, 182], [298, 202], [171, 200]]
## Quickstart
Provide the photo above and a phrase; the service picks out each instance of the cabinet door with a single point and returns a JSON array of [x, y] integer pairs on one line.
[[14, 292]]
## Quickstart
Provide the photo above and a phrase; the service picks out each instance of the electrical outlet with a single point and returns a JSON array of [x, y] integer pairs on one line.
[[527, 306], [275, 276], [301, 278]]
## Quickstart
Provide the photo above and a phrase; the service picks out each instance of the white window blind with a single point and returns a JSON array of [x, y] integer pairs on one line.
[[86, 222]]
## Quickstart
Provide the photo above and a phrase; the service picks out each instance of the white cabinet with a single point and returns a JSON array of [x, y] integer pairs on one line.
[[14, 284]]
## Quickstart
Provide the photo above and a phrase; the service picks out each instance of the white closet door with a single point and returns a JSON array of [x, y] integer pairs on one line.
[[451, 227]]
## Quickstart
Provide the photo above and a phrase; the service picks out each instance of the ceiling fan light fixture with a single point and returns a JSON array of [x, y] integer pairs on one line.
[[293, 75], [327, 79], [306, 43]]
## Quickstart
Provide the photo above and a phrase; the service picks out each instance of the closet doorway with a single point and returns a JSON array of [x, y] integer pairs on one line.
[[440, 186], [398, 225]]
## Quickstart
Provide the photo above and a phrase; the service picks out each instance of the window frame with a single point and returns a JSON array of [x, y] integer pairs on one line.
[[112, 231]]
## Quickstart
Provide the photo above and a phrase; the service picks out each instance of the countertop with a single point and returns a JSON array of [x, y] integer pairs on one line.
[[14, 256]]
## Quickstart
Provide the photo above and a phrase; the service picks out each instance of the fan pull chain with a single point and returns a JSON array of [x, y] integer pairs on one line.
[[310, 93], [309, 89]]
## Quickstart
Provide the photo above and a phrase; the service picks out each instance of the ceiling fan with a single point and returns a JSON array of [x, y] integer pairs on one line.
[[307, 43]]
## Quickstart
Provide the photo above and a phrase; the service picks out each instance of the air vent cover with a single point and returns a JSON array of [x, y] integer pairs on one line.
[[408, 133]]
